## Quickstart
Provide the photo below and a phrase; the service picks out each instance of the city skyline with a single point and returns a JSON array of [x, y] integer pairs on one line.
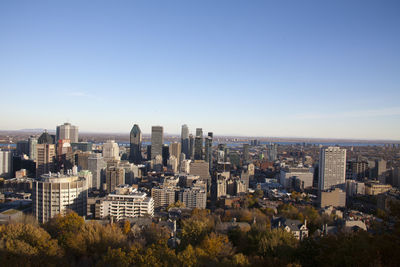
[[309, 70]]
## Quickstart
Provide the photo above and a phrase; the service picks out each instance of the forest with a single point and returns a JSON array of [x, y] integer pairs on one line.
[[70, 241]]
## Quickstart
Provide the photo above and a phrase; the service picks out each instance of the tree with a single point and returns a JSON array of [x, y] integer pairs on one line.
[[25, 244]]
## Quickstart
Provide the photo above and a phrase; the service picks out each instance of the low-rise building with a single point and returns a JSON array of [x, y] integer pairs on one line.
[[334, 198]]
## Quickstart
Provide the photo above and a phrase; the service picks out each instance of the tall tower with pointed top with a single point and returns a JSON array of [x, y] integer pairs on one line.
[[135, 155]]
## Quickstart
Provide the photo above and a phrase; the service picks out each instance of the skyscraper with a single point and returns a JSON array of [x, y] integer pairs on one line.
[[157, 141], [175, 150], [332, 168], [110, 151], [191, 146], [67, 131], [5, 164], [135, 155], [208, 149], [245, 152], [272, 152], [45, 154], [96, 165], [198, 144], [32, 142], [185, 140]]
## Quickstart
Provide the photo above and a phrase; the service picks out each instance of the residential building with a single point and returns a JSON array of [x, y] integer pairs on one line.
[[54, 194], [194, 197], [332, 168], [123, 203], [5, 164]]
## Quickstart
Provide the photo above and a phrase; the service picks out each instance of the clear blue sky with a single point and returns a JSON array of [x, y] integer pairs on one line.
[[255, 68]]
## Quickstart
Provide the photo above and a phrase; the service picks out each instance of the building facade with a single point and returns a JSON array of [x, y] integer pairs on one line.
[[157, 141], [67, 131], [332, 168], [54, 194], [135, 154]]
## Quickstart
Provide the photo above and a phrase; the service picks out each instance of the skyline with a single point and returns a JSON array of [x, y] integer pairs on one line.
[[262, 69]]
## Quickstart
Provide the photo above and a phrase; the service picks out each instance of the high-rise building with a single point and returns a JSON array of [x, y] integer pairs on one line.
[[194, 197], [208, 149], [32, 142], [198, 144], [163, 196], [245, 152], [191, 147], [114, 176], [23, 147], [5, 164], [272, 152], [157, 141], [45, 154], [175, 150], [332, 168], [97, 166], [185, 140], [110, 150], [54, 194], [67, 131], [165, 154], [202, 169], [135, 154], [45, 138], [172, 164]]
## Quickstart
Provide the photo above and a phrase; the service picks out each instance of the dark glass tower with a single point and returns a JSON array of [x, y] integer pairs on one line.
[[208, 149], [185, 140], [135, 154], [198, 144]]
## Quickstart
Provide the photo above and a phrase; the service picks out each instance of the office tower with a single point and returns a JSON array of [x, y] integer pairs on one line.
[[157, 141], [135, 154], [126, 202], [54, 194], [82, 146], [185, 141], [45, 154], [175, 150], [88, 177], [245, 152], [172, 164], [114, 176], [67, 131], [32, 142], [202, 169], [208, 150], [129, 169], [191, 146], [45, 138], [110, 150], [332, 168], [272, 152], [380, 167], [165, 154], [96, 165], [23, 147], [148, 152], [5, 164], [198, 145]]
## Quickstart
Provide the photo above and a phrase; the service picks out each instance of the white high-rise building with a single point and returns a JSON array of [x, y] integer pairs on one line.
[[332, 168], [54, 194], [67, 131], [110, 150], [5, 164]]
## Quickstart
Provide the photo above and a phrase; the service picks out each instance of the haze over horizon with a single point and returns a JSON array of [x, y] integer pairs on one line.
[[309, 69]]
